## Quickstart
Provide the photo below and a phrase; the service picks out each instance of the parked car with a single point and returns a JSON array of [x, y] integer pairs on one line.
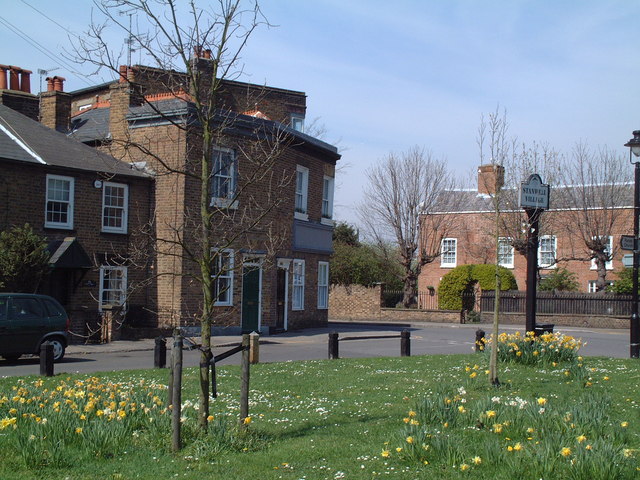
[[28, 320]]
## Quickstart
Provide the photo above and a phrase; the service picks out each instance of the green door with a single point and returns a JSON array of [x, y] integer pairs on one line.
[[250, 299]]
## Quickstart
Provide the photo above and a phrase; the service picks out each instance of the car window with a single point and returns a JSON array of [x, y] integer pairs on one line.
[[26, 308], [53, 308], [3, 309]]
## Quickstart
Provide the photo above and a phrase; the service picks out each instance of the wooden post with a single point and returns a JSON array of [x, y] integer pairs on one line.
[[46, 359], [176, 400], [254, 349], [333, 345], [405, 343], [479, 340], [244, 387], [160, 353]]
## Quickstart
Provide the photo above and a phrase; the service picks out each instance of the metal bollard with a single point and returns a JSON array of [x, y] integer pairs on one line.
[[160, 353], [479, 340], [405, 343], [46, 359], [333, 345]]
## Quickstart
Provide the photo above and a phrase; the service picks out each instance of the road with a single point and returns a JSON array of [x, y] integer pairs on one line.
[[426, 339]]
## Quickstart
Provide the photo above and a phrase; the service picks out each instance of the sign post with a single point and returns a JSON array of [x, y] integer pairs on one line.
[[534, 199]]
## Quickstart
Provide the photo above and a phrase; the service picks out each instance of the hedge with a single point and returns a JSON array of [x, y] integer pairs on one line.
[[461, 278]]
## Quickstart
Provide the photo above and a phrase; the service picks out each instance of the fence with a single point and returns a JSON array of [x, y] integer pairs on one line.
[[569, 303]]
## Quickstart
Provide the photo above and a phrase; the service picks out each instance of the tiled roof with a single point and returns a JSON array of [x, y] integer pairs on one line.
[[26, 140]]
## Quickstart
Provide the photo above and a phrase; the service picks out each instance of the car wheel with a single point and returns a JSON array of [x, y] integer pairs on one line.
[[58, 348]]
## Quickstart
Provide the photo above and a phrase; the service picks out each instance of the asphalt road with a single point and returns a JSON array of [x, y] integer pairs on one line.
[[426, 339]]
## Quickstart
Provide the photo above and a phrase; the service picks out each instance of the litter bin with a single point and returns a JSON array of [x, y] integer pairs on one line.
[[543, 328]]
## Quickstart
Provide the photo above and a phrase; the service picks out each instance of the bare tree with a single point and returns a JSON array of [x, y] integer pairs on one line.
[[598, 185], [222, 205], [402, 187]]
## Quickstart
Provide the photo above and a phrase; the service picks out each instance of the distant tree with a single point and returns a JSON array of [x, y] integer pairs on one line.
[[599, 184], [561, 280], [346, 234], [401, 187], [24, 259], [624, 283]]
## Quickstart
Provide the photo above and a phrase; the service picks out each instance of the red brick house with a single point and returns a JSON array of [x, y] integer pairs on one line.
[[471, 223], [274, 276], [87, 204]]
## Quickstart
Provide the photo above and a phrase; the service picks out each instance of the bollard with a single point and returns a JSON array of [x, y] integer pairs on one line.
[[254, 348], [405, 343], [46, 359], [333, 345], [160, 353], [479, 340]]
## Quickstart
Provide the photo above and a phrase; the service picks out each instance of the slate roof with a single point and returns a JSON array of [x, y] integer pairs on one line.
[[469, 201], [25, 140], [93, 124]]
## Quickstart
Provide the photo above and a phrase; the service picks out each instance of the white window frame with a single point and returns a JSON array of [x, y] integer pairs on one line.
[[225, 275], [297, 122], [328, 186], [122, 288], [297, 296], [323, 285], [505, 252], [227, 201], [302, 193], [69, 203], [123, 210], [553, 252], [591, 286], [445, 256], [607, 265]]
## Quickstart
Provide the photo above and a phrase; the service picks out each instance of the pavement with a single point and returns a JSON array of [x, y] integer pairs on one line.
[[355, 327]]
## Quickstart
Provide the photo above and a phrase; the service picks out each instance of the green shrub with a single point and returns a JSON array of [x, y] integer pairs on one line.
[[461, 278], [561, 279]]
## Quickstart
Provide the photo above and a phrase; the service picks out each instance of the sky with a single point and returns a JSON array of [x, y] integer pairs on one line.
[[385, 76]]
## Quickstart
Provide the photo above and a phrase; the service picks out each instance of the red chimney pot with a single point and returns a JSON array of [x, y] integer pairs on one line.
[[14, 80]]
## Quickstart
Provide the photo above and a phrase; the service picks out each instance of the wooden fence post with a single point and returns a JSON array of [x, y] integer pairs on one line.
[[176, 397], [46, 359], [244, 387], [479, 340], [405, 343], [333, 345], [254, 349]]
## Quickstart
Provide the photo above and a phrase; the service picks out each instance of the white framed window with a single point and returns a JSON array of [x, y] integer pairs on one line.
[[327, 197], [505, 252], [591, 288], [113, 286], [323, 285], [222, 275], [59, 204], [547, 251], [297, 122], [302, 189], [609, 248], [297, 299], [224, 176], [115, 207], [448, 250]]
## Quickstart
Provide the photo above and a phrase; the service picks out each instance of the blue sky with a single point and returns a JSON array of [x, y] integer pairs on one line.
[[384, 76]]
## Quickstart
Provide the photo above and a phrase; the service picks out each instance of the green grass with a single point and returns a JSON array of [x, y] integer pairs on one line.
[[333, 419]]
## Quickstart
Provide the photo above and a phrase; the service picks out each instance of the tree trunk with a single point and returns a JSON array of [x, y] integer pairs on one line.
[[409, 290]]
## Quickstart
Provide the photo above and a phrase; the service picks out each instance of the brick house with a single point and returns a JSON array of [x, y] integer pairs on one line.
[[469, 238], [272, 277], [87, 205]]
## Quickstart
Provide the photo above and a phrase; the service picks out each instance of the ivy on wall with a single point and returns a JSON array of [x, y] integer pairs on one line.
[[463, 277]]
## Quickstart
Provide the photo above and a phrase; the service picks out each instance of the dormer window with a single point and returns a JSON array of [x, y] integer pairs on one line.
[[297, 122]]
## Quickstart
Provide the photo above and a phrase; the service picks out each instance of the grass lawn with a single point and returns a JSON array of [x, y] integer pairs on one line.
[[416, 417]]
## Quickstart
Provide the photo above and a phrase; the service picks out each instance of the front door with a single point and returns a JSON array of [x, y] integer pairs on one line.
[[281, 299], [251, 280]]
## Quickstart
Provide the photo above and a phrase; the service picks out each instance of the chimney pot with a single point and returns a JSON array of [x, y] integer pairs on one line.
[[207, 53], [49, 84], [123, 73], [197, 51], [131, 75], [58, 84], [25, 81], [3, 78], [14, 80]]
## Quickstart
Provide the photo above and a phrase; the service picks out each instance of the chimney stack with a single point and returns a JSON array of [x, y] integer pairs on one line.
[[15, 92], [55, 105], [490, 178]]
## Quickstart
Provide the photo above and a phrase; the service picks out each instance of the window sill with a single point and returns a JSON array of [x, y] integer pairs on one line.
[[327, 221], [222, 304], [301, 216], [297, 309], [57, 226], [121, 232], [447, 266], [224, 203]]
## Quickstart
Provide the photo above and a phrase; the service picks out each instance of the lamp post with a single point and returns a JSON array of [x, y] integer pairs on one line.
[[634, 148]]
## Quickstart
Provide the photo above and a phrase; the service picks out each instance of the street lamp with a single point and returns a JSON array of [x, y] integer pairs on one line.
[[634, 148]]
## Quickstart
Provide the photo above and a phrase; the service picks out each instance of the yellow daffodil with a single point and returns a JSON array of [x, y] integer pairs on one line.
[[565, 452], [476, 460]]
